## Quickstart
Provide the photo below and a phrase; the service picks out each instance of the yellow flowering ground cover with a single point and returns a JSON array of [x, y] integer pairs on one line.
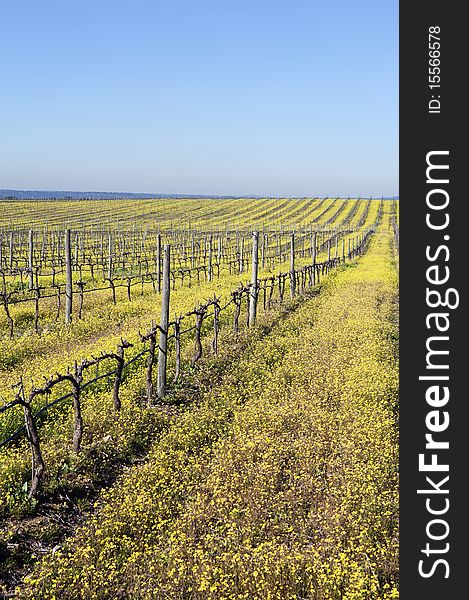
[[97, 305], [280, 484], [102, 326], [106, 438]]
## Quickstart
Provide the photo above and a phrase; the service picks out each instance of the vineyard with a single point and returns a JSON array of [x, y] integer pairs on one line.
[[198, 398]]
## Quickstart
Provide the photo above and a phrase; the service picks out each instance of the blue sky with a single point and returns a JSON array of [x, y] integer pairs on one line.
[[294, 98]]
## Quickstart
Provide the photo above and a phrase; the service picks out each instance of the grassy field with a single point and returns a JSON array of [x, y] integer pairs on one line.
[[208, 213], [269, 471]]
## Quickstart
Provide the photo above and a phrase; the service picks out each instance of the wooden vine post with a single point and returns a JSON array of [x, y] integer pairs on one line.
[[109, 264], [164, 323], [264, 248], [31, 258], [255, 266], [313, 255], [241, 256], [68, 278], [11, 250], [219, 252], [210, 257], [193, 252], [77, 248], [292, 266], [158, 261]]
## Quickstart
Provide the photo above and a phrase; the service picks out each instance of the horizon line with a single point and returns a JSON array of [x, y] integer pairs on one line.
[[187, 195]]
